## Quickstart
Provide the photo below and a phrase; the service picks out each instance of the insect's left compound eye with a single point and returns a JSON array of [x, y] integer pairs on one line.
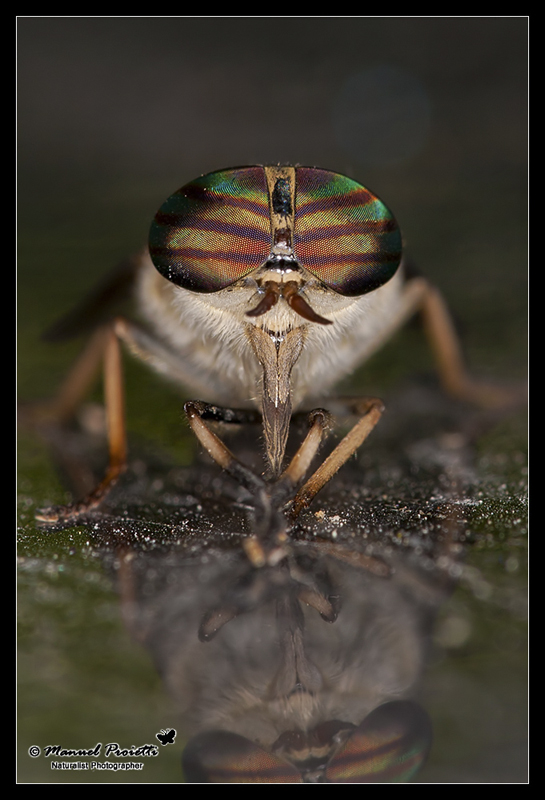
[[344, 235], [214, 230]]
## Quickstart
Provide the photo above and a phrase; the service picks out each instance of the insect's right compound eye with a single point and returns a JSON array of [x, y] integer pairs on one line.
[[214, 230], [224, 757]]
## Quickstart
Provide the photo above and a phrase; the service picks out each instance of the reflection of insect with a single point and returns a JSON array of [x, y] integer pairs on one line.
[[389, 746], [301, 671], [266, 286], [166, 737]]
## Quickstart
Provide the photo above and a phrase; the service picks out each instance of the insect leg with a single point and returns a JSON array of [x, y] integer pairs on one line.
[[451, 367], [421, 297], [372, 409], [74, 387], [195, 412], [268, 524], [320, 422], [117, 439], [231, 416]]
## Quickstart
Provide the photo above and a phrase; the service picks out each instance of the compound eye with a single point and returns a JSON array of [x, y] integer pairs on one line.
[[344, 235], [224, 757], [214, 230], [389, 746]]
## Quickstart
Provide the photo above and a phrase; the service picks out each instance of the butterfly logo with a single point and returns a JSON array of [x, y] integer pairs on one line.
[[166, 736]]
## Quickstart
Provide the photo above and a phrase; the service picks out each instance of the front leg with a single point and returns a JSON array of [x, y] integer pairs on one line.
[[269, 530], [266, 545], [371, 410]]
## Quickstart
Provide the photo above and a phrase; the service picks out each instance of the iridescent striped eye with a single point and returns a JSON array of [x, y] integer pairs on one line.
[[214, 230], [223, 226], [389, 746], [344, 235], [223, 757]]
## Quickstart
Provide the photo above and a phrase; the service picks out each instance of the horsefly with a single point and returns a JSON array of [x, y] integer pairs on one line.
[[261, 289]]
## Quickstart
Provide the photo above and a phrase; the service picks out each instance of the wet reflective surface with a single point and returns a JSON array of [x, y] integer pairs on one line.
[[404, 582]]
